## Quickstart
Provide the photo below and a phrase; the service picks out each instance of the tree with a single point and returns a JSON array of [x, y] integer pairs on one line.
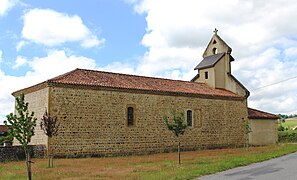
[[50, 126], [246, 129], [177, 127], [23, 124], [7, 138]]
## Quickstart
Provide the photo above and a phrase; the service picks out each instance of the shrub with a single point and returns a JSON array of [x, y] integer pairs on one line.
[[281, 128], [287, 136]]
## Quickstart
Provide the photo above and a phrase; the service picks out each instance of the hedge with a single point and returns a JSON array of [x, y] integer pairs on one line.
[[287, 136]]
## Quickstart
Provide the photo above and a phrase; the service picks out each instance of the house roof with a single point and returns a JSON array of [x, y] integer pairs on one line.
[[3, 128], [101, 79], [257, 114]]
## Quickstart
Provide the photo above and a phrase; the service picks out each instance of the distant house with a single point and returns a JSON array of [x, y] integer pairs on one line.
[[104, 113]]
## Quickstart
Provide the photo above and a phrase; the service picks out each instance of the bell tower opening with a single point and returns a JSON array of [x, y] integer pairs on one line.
[[214, 51]]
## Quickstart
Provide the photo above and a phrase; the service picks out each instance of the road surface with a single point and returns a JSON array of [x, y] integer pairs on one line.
[[282, 168]]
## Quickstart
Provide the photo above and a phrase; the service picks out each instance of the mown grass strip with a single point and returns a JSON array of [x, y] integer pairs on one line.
[[190, 170], [158, 166]]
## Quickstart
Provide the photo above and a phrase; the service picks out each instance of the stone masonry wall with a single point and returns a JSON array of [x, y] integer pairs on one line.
[[38, 102], [94, 122], [15, 153]]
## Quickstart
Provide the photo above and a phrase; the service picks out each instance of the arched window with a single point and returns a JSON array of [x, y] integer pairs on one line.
[[189, 118], [130, 116]]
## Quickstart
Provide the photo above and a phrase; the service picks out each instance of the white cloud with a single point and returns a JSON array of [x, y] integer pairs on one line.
[[92, 41], [262, 36], [118, 67], [55, 63], [20, 45], [51, 28], [20, 61], [6, 5], [159, 61]]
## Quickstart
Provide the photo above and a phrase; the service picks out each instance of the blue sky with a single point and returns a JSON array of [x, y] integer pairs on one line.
[[115, 21], [42, 39]]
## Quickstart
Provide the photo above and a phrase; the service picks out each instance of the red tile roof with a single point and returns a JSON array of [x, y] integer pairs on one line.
[[256, 114], [3, 128], [132, 82]]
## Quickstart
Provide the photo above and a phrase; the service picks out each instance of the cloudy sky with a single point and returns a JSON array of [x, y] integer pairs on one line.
[[42, 39]]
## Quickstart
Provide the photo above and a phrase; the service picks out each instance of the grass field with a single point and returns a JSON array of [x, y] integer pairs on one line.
[[158, 166], [290, 123]]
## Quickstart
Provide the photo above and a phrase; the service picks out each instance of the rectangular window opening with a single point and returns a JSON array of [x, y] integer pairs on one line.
[[206, 75], [189, 118], [130, 116]]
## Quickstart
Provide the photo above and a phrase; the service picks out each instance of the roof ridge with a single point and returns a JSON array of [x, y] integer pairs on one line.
[[123, 74], [62, 75], [96, 78], [260, 111]]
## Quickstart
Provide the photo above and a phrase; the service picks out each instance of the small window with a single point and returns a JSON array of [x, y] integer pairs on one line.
[[214, 42], [130, 116], [206, 75], [214, 51], [189, 118]]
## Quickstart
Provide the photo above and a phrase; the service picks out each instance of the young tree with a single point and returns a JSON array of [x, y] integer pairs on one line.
[[50, 126], [23, 124], [246, 129], [177, 127]]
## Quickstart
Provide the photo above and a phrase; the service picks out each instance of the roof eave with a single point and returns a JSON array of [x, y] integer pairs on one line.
[[145, 91], [30, 89]]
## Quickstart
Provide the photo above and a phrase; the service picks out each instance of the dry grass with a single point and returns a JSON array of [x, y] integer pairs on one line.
[[158, 166]]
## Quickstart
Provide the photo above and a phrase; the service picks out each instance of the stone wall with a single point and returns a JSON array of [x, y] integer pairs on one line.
[[38, 102], [15, 153], [94, 122], [264, 131]]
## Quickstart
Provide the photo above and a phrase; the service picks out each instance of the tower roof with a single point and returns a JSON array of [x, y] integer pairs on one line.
[[209, 61]]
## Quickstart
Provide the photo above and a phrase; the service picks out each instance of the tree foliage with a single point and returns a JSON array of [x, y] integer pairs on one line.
[[6, 138], [50, 126], [23, 122], [246, 129], [22, 127], [178, 127]]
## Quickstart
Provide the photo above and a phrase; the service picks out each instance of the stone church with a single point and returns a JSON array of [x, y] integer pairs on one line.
[[105, 113]]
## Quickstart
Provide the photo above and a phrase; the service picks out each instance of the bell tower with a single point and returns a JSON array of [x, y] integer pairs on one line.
[[215, 68], [216, 46]]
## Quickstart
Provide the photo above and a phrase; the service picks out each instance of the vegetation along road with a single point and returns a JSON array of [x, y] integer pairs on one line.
[[275, 169]]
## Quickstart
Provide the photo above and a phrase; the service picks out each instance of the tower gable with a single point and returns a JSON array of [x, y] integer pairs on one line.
[[216, 46]]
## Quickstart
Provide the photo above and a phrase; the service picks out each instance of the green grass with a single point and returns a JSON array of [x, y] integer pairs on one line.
[[289, 123], [210, 166], [158, 166]]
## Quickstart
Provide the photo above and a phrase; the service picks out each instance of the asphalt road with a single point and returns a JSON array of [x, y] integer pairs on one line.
[[282, 168]]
